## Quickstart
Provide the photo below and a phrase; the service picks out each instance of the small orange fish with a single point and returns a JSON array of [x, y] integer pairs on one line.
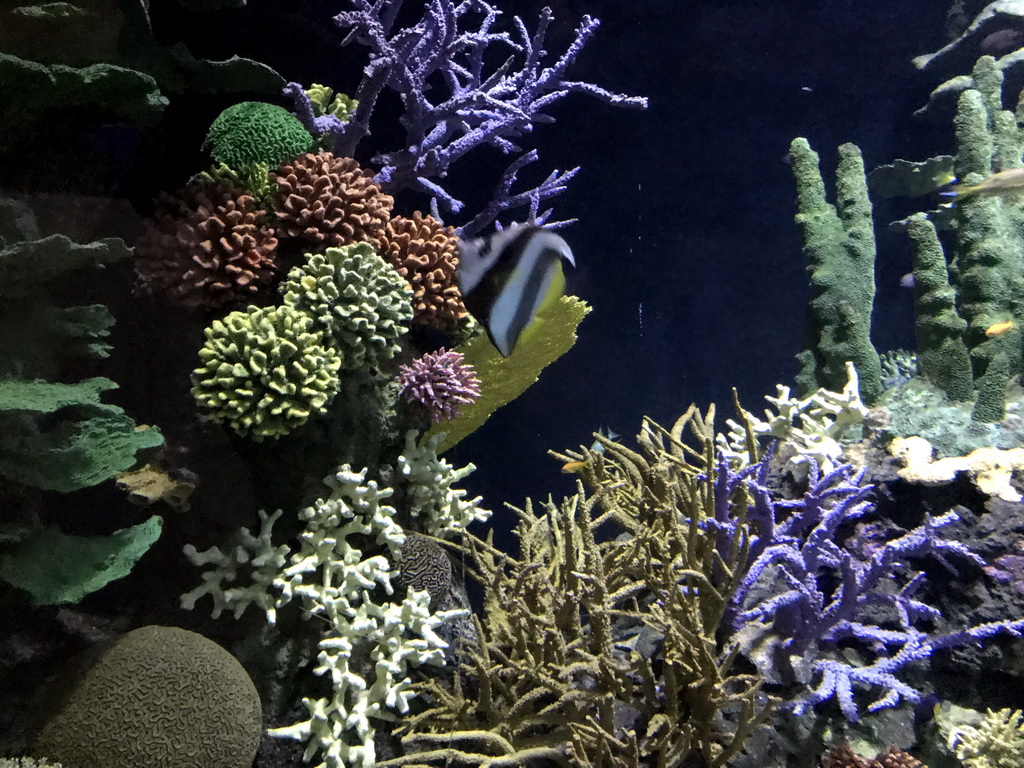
[[572, 467], [1002, 184], [998, 329]]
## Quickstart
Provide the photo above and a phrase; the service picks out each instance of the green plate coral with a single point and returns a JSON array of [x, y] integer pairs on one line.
[[265, 371], [358, 300]]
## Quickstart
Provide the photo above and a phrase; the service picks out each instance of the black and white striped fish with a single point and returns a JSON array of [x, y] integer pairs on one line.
[[506, 278]]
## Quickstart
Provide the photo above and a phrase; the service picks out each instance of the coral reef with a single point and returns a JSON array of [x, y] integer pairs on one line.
[[598, 644], [356, 299], [425, 253], [157, 696], [205, 246], [440, 382], [256, 132], [844, 757], [331, 575], [991, 469], [328, 201], [265, 371]]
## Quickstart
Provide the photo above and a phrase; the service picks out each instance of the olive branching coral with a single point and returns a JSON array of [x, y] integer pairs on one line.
[[598, 645]]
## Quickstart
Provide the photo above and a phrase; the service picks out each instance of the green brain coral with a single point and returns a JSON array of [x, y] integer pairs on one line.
[[159, 696], [265, 371], [361, 303], [255, 132]]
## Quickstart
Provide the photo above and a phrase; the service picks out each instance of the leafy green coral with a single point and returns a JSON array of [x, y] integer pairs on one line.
[[58, 435], [598, 644], [56, 568], [256, 132], [356, 298], [265, 371], [839, 247]]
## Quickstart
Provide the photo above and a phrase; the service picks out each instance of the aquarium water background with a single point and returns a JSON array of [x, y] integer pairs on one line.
[[688, 253]]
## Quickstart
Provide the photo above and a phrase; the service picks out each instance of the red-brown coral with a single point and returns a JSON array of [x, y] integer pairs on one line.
[[425, 253], [844, 757], [207, 245], [328, 201]]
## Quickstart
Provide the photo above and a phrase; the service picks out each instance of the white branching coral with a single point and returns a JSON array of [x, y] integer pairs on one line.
[[813, 425], [261, 560], [442, 508], [329, 576], [998, 742]]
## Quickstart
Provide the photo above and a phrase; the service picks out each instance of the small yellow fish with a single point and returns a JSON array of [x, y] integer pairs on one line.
[[572, 467], [1002, 184], [998, 329]]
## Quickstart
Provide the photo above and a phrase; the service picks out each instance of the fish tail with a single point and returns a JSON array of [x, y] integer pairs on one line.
[[960, 191]]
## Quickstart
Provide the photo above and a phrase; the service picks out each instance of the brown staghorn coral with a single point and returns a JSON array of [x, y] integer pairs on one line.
[[205, 246], [597, 646], [425, 253], [328, 202]]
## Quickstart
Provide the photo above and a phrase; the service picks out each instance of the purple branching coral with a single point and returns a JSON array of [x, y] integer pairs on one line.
[[455, 99], [814, 616], [441, 382]]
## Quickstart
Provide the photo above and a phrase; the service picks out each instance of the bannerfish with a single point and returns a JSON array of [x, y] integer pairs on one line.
[[508, 277], [1002, 184]]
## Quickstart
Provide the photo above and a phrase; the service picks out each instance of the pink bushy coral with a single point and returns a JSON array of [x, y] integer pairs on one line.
[[441, 382]]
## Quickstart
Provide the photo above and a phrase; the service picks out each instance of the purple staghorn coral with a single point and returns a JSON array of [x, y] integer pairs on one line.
[[441, 382], [817, 618], [455, 97]]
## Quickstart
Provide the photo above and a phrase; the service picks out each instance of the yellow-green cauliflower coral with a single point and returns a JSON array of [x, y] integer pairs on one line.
[[998, 742], [357, 299], [265, 371]]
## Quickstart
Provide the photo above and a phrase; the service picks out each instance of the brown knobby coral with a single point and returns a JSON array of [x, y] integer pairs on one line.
[[426, 254], [844, 757], [328, 202], [206, 245]]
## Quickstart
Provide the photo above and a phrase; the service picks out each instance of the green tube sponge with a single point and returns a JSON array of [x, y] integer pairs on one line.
[[265, 371], [158, 696], [941, 353], [358, 300], [256, 132], [839, 247]]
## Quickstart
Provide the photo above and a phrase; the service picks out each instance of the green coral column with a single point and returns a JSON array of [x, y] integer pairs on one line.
[[839, 247], [989, 240], [942, 356]]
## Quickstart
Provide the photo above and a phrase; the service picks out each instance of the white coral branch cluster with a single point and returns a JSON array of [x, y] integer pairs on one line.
[[813, 425], [332, 578], [442, 508]]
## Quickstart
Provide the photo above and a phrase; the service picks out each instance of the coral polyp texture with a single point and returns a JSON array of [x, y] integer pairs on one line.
[[208, 245], [265, 371], [441, 382], [329, 201], [157, 696], [425, 253], [256, 132], [360, 303]]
